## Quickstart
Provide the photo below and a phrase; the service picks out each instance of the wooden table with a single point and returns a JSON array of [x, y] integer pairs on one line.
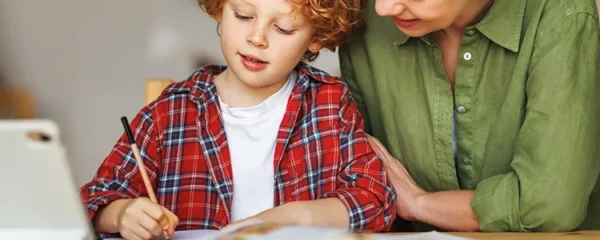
[[527, 236], [199, 234]]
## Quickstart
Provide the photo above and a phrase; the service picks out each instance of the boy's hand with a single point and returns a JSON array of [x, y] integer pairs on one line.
[[292, 213], [326, 212], [142, 219]]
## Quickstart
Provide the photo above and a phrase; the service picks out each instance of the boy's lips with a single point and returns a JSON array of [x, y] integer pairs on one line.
[[252, 58], [253, 63]]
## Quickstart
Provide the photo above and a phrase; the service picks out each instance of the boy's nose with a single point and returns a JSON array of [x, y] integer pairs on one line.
[[257, 38], [389, 7]]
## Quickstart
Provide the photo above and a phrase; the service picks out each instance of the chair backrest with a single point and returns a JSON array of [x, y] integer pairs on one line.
[[16, 103], [154, 88]]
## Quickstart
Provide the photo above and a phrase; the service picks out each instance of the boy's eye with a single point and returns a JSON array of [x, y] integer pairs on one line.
[[283, 31], [242, 17]]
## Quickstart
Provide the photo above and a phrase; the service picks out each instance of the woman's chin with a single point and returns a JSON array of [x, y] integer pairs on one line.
[[413, 32]]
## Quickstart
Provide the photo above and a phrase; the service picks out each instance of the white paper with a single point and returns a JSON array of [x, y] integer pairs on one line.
[[419, 236], [193, 234], [299, 233], [307, 232], [289, 233], [187, 235]]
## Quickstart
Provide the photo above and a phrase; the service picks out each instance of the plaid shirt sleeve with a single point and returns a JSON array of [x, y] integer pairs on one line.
[[363, 185], [118, 176]]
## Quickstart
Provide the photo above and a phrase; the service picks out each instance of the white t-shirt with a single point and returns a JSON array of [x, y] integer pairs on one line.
[[251, 134]]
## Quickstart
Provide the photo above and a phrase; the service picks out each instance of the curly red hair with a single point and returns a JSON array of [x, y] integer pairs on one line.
[[332, 19]]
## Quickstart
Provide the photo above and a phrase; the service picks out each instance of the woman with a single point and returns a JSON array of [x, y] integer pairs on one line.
[[490, 110]]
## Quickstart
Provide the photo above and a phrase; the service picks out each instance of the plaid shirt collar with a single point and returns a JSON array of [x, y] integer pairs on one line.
[[202, 89]]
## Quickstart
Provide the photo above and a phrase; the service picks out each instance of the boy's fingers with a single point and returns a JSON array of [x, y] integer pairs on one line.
[[173, 219], [168, 223], [151, 226], [141, 233], [164, 223], [174, 222], [155, 211], [129, 235]]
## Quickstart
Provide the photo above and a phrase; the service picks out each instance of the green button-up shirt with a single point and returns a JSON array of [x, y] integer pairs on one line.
[[527, 110]]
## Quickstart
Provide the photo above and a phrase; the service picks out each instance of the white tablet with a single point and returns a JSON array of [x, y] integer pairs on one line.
[[38, 197]]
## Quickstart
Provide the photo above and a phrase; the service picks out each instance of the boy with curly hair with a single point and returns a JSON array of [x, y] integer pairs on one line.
[[266, 137]]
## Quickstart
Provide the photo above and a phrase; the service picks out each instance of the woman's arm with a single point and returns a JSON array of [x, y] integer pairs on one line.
[[448, 210]]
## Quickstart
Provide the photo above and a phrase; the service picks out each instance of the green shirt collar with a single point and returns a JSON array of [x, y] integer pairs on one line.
[[502, 24]]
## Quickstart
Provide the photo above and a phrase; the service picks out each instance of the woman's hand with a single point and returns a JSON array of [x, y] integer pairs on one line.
[[449, 210], [407, 190]]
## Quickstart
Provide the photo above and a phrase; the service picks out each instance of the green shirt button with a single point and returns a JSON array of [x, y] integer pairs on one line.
[[467, 56]]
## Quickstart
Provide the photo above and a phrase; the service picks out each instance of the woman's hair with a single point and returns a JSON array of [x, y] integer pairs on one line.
[[332, 19]]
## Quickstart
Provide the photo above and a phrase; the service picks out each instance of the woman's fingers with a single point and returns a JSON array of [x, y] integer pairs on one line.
[[376, 147], [394, 168]]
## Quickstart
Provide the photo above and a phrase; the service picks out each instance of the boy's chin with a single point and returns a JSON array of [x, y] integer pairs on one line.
[[257, 83], [253, 79]]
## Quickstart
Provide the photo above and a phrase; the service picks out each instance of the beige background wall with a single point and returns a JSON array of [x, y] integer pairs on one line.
[[87, 61]]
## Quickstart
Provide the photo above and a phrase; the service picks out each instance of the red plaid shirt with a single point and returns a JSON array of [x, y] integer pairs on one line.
[[321, 152]]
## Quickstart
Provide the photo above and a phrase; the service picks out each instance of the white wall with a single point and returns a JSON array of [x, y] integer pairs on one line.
[[87, 61]]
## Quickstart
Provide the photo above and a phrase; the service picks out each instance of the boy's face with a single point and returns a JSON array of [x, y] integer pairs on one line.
[[262, 40]]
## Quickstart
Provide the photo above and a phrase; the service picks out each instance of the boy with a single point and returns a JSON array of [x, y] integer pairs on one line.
[[266, 137]]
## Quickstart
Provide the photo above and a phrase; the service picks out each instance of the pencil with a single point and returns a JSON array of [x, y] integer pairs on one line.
[[140, 163], [138, 159]]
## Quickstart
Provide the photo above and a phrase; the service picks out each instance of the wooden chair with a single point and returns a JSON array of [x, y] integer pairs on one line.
[[16, 103], [154, 88]]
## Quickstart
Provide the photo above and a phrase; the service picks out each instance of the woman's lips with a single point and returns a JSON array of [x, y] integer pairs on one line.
[[406, 23]]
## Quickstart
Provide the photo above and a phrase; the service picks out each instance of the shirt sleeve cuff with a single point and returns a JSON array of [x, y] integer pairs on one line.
[[496, 204], [363, 213], [94, 203]]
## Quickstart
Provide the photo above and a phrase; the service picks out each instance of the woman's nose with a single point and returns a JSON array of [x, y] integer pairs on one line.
[[389, 7]]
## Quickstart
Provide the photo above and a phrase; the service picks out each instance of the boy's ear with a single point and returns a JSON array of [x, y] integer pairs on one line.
[[315, 47], [219, 17]]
